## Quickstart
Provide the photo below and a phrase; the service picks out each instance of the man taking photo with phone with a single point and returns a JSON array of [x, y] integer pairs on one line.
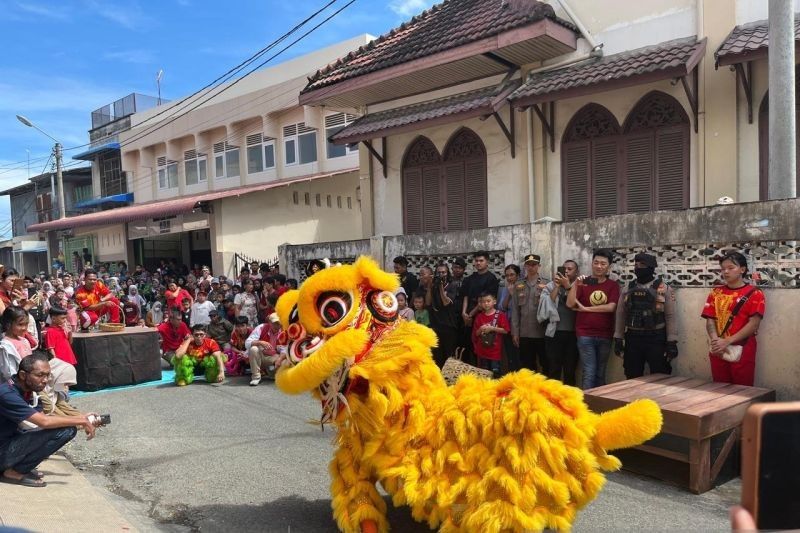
[[595, 299]]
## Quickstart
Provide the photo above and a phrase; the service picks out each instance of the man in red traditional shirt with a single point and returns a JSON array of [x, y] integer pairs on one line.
[[199, 355], [96, 300], [173, 332]]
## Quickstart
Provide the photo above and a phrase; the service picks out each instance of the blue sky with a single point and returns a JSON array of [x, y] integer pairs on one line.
[[62, 60]]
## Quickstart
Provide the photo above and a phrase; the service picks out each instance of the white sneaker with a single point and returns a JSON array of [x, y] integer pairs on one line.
[[255, 381]]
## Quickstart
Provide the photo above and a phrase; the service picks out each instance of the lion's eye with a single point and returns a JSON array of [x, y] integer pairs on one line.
[[333, 307], [293, 317]]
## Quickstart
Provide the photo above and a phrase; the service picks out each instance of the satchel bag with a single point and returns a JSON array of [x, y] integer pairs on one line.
[[487, 339], [733, 353], [454, 368]]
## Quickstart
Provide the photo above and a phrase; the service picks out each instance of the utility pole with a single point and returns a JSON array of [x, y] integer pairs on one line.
[[782, 127], [62, 209]]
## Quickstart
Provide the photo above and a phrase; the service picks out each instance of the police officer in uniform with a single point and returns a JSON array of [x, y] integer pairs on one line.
[[646, 317], [526, 331]]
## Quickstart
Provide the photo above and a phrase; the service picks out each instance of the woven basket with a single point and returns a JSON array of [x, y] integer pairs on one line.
[[454, 368], [112, 327]]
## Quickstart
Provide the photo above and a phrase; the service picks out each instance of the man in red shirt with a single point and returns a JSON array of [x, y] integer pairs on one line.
[[175, 296], [198, 355], [173, 333], [96, 300], [55, 337], [595, 298]]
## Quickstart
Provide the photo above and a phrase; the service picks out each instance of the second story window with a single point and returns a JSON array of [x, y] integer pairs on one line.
[[195, 166], [167, 173], [226, 160], [300, 144], [333, 125], [44, 207], [260, 153]]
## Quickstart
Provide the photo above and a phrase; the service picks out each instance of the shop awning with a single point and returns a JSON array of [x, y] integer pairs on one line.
[[748, 42], [672, 59], [170, 207], [90, 154], [113, 199]]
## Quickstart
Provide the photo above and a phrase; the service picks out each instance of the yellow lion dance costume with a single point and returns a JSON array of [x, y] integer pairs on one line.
[[521, 453]]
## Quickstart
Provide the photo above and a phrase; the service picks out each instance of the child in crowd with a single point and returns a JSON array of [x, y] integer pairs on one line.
[[186, 311], [487, 331], [131, 311], [421, 314], [403, 311], [17, 340], [237, 353], [55, 338]]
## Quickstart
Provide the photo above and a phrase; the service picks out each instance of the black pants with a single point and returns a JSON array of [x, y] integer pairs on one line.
[[25, 451], [645, 348], [448, 341], [511, 353], [562, 357], [531, 353]]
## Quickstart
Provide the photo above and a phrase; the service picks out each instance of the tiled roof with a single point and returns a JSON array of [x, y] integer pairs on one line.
[[662, 59], [746, 39], [479, 101], [448, 25]]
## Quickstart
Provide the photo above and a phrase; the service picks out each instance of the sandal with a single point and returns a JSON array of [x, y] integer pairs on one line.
[[25, 481], [36, 474]]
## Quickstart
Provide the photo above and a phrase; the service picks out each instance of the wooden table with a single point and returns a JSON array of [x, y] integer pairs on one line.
[[694, 410], [112, 359]]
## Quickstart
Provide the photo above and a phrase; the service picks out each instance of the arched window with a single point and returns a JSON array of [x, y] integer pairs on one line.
[[590, 164], [607, 170], [656, 155], [445, 194], [763, 143]]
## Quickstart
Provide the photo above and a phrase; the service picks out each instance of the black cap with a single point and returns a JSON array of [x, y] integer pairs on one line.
[[647, 259], [460, 262], [213, 312], [532, 258]]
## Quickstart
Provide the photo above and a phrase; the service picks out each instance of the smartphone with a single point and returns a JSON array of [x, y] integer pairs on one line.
[[590, 281], [19, 284], [771, 464], [562, 270]]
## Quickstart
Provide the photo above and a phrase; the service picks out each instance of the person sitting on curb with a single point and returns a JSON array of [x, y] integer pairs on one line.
[[198, 355], [172, 332], [22, 452], [261, 346]]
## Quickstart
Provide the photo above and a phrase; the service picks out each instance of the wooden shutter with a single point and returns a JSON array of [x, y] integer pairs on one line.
[[575, 174], [475, 191], [605, 176], [412, 200], [455, 193], [432, 199], [638, 179], [672, 168]]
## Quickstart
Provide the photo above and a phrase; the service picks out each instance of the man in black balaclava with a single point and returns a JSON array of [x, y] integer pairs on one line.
[[646, 318]]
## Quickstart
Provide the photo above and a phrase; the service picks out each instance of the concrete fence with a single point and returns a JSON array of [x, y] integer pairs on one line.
[[687, 243]]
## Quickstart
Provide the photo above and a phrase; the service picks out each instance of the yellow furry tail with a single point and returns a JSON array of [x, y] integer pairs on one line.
[[637, 422], [309, 373]]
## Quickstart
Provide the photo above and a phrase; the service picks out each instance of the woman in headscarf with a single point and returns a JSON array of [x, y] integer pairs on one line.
[[155, 316], [135, 297]]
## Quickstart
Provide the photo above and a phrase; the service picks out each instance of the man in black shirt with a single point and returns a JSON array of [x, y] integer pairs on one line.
[[476, 283], [441, 298], [21, 453], [408, 281]]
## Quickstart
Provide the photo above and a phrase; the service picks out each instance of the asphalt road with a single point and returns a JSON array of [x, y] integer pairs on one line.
[[233, 457]]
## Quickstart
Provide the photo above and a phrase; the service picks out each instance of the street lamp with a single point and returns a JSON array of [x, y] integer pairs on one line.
[[62, 212]]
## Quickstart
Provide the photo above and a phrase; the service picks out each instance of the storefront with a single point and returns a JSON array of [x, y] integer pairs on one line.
[[184, 238]]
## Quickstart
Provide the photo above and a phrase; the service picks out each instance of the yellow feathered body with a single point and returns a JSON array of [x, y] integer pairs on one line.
[[521, 453]]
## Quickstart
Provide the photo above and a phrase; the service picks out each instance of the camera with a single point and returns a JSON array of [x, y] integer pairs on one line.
[[100, 420]]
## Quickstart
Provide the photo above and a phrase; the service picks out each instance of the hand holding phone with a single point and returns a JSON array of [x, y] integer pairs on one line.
[[771, 464]]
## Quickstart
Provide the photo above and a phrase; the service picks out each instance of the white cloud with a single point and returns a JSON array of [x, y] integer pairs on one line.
[[409, 8], [139, 57], [24, 92], [47, 11], [129, 15]]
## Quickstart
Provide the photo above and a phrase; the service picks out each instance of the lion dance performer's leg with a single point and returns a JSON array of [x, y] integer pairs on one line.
[[184, 370], [211, 367], [357, 505]]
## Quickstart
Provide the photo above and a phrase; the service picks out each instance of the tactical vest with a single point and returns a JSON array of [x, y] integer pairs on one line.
[[644, 307]]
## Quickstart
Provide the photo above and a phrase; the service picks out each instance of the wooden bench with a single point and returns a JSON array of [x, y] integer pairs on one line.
[[694, 410]]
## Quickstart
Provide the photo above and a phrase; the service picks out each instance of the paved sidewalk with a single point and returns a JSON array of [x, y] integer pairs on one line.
[[69, 503]]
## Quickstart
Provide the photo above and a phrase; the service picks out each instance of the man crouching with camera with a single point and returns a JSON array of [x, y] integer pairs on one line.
[[21, 451]]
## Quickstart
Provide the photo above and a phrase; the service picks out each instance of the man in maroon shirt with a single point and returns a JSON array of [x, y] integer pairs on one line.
[[173, 332], [595, 298]]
